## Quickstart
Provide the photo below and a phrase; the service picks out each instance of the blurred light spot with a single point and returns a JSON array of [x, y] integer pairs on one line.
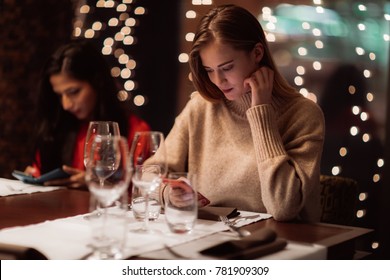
[[375, 245], [84, 9], [129, 85], [89, 33], [359, 51], [380, 162], [366, 137], [121, 8], [139, 100], [319, 44], [372, 56], [356, 110], [305, 25], [352, 89], [115, 71], [190, 36], [361, 27], [300, 70], [317, 65], [123, 95], [376, 178], [119, 36], [97, 25], [298, 80], [343, 151], [107, 50], [367, 73], [370, 97], [271, 37], [128, 40], [183, 57], [131, 64], [362, 7], [123, 58], [139, 11], [316, 32], [354, 130], [130, 22], [302, 51], [125, 73], [108, 42], [190, 14], [118, 52], [363, 196], [364, 116], [361, 213], [113, 22], [336, 170]]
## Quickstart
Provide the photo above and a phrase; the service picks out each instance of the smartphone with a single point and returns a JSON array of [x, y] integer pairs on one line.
[[57, 173]]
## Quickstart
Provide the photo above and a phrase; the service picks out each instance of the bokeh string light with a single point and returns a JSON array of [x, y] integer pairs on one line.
[[112, 24]]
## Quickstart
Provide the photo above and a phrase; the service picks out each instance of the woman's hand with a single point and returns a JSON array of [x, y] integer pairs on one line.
[[176, 191], [261, 83], [75, 180]]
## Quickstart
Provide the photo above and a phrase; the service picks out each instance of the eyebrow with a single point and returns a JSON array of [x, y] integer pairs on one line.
[[220, 65]]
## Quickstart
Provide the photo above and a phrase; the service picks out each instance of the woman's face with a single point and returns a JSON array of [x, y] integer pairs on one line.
[[227, 68], [76, 96]]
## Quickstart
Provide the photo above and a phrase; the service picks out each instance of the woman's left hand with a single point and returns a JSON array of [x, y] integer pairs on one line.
[[261, 83], [75, 180]]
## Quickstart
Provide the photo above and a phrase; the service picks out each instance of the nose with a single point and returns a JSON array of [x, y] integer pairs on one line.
[[219, 78], [67, 102]]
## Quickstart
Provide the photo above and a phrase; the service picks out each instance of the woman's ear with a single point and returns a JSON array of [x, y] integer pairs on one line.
[[258, 51]]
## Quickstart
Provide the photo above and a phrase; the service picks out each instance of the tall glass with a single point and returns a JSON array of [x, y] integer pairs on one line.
[[109, 163], [148, 157], [97, 128]]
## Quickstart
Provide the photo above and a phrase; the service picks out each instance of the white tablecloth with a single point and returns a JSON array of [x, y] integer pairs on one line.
[[15, 187], [68, 238]]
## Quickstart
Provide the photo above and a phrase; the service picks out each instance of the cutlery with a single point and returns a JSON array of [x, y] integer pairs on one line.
[[241, 232]]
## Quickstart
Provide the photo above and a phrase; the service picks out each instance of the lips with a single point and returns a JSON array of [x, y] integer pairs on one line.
[[227, 90]]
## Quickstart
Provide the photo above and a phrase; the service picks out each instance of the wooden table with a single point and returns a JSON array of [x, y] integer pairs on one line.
[[20, 210]]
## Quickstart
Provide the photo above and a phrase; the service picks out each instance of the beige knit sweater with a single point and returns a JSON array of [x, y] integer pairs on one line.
[[264, 159]]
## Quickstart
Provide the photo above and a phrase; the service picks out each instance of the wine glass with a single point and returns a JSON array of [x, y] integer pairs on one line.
[[148, 157], [96, 128], [108, 176]]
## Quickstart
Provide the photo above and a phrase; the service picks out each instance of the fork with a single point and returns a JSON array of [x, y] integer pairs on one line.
[[241, 232]]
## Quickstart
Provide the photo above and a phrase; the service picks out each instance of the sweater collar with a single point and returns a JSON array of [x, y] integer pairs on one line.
[[241, 105]]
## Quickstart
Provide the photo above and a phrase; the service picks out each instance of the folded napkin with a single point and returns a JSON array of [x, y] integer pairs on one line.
[[259, 243], [213, 212], [16, 252]]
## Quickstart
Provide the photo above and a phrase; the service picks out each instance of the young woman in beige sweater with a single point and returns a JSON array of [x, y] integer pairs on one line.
[[252, 140]]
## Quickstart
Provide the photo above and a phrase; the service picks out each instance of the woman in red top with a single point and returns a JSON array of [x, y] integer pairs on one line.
[[76, 88]]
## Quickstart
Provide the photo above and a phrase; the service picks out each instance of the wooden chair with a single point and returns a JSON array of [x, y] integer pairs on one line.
[[338, 199]]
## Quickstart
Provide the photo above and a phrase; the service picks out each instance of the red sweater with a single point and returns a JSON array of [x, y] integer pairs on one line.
[[135, 124]]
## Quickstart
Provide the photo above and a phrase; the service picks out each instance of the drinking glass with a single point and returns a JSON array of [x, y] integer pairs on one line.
[[96, 128], [181, 203], [108, 176], [148, 157]]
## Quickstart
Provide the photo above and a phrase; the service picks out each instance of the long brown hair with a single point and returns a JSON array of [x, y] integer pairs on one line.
[[237, 27]]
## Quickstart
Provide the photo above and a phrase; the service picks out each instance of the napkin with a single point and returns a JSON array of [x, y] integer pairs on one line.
[[213, 212], [16, 252], [259, 243]]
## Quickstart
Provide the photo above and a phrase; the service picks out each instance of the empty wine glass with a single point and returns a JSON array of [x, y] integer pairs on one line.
[[108, 176], [148, 157], [96, 128]]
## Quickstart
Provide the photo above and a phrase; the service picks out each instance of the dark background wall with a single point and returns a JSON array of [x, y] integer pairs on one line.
[[31, 30]]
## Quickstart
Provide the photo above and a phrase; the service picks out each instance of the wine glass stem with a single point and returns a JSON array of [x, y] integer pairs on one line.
[[146, 218], [101, 181]]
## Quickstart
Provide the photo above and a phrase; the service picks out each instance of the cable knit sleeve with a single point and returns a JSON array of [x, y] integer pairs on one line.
[[288, 144]]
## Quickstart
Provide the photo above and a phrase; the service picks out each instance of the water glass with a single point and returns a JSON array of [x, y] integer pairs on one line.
[[181, 203], [138, 204], [109, 231]]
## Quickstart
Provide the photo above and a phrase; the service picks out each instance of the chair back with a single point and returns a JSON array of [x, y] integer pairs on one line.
[[338, 199]]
